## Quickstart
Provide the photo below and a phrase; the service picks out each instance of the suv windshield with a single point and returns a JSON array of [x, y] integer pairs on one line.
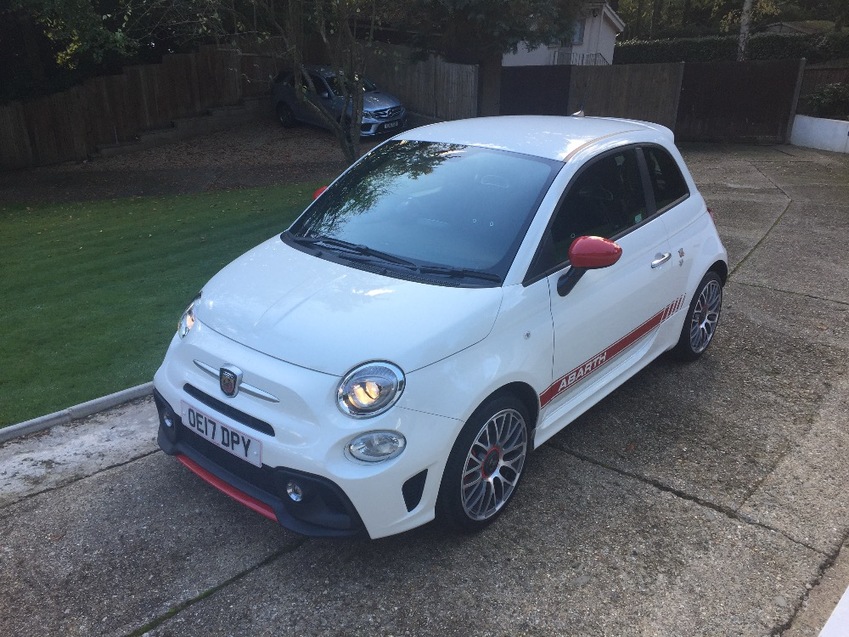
[[445, 213], [368, 85]]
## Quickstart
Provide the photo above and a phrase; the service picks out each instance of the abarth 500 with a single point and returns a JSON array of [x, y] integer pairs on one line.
[[455, 298]]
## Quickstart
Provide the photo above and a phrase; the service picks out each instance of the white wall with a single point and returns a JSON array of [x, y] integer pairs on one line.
[[820, 133], [541, 56]]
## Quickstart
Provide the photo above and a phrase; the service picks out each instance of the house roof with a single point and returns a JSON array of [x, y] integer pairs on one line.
[[806, 27]]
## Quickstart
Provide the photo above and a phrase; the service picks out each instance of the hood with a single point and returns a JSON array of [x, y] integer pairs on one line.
[[378, 101], [329, 317]]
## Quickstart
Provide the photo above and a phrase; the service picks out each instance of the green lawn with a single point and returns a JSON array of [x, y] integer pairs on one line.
[[90, 293]]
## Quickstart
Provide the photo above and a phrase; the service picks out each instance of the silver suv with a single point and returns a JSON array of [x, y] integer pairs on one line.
[[382, 112]]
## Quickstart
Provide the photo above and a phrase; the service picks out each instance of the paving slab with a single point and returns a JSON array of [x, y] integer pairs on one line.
[[716, 429], [586, 551], [744, 218], [66, 453], [804, 253], [108, 553], [804, 495]]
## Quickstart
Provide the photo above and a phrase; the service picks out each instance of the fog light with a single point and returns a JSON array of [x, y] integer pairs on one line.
[[376, 446], [294, 491], [167, 418]]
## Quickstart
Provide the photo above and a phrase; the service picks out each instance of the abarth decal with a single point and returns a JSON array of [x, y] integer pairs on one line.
[[568, 380]]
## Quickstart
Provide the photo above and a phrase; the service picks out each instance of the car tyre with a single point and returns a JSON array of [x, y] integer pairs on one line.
[[701, 320], [285, 115], [485, 464]]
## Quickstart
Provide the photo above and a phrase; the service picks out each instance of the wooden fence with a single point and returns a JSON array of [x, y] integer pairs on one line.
[[739, 101], [815, 78], [107, 110], [637, 91], [717, 101], [749, 101], [433, 88], [536, 90]]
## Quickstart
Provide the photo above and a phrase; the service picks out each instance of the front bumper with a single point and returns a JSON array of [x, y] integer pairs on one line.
[[303, 437], [372, 126], [324, 509]]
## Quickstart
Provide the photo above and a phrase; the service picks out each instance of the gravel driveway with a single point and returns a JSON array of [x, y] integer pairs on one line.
[[255, 153]]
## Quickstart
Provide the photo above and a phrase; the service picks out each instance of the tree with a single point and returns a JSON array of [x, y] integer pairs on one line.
[[287, 28], [81, 29], [482, 31], [745, 24]]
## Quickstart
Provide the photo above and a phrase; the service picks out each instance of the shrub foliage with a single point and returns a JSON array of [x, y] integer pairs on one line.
[[762, 46]]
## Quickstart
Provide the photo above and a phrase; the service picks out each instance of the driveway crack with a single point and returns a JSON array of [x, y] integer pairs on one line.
[[188, 603], [728, 512]]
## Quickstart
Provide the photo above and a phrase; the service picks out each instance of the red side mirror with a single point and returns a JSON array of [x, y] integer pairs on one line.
[[318, 192], [591, 253]]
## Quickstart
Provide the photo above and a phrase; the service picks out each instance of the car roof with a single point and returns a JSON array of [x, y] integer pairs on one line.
[[324, 71], [552, 137]]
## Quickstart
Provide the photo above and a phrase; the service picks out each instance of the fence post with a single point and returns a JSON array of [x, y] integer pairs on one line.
[[794, 101]]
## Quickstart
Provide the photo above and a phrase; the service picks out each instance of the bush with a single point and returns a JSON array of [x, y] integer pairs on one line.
[[829, 100], [762, 46]]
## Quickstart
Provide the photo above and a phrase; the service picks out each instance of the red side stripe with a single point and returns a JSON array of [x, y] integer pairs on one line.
[[225, 487], [602, 358]]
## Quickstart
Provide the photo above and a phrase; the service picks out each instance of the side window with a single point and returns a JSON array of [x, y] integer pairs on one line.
[[320, 86], [605, 200], [666, 179]]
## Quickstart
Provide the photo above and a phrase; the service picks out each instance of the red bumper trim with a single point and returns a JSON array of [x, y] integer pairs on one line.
[[225, 487]]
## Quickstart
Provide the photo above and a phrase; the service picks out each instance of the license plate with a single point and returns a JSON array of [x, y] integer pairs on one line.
[[245, 447], [389, 125]]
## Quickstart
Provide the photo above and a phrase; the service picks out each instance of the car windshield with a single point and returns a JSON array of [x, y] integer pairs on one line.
[[445, 213], [368, 85]]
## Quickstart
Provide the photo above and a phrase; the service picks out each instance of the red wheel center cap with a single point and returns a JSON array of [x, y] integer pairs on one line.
[[490, 463]]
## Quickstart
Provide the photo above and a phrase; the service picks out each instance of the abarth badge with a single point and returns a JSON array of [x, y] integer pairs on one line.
[[229, 379]]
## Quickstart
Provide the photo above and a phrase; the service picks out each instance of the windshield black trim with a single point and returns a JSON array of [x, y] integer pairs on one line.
[[419, 273]]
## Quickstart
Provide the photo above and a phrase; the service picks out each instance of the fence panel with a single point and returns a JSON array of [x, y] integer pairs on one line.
[[816, 77], [257, 72], [535, 90], [456, 90], [54, 127], [738, 101], [430, 87], [648, 92], [637, 91], [15, 147]]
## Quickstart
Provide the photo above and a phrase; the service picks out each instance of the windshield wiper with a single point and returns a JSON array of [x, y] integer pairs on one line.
[[459, 273], [354, 248]]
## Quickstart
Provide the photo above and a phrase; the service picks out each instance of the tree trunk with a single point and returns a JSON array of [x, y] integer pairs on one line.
[[745, 23]]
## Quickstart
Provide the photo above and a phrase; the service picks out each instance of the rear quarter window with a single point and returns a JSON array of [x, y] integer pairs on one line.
[[666, 179]]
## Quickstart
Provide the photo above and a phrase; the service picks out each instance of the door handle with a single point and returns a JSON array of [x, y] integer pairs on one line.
[[660, 259]]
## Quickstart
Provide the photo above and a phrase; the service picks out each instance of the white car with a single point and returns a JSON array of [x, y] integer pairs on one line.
[[450, 302]]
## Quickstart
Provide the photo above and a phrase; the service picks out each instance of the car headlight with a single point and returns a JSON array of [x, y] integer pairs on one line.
[[376, 446], [370, 389], [187, 320]]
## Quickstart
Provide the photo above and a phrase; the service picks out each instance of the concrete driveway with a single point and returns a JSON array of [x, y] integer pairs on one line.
[[702, 499]]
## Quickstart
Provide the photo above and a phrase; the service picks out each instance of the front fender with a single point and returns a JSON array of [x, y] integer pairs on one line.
[[517, 350]]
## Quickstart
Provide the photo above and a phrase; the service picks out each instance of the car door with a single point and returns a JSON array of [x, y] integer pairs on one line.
[[305, 109], [604, 328]]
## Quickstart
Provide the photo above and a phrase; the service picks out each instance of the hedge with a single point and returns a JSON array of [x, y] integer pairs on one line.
[[762, 46]]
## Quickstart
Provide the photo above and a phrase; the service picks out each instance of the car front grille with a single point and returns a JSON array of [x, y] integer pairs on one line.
[[229, 411], [387, 113]]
